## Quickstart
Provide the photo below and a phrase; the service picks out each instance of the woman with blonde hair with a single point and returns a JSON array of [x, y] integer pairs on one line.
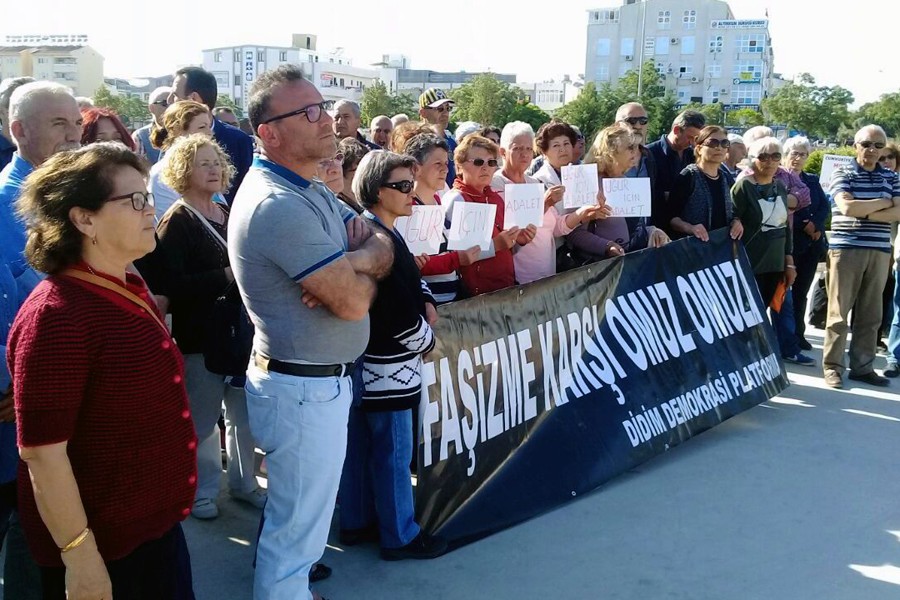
[[192, 246], [180, 119], [614, 151]]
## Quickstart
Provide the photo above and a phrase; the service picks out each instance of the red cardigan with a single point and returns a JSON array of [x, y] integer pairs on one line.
[[499, 271], [92, 369]]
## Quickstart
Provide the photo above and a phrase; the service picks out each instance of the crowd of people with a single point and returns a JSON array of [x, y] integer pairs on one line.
[[135, 262]]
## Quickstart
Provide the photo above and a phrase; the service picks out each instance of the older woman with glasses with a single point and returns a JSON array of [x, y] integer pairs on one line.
[[700, 201], [477, 161], [760, 202], [376, 486], [105, 431]]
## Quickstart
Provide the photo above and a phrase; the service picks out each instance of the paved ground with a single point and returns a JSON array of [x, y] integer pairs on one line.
[[791, 500]]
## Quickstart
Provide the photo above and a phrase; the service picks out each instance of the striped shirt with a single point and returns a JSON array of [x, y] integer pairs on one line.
[[854, 232]]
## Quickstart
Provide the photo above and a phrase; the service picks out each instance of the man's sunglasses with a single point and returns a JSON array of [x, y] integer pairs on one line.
[[313, 112], [636, 120], [714, 143], [404, 186], [480, 162], [868, 144]]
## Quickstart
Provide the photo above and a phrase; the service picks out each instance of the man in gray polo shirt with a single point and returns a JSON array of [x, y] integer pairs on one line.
[[307, 268]]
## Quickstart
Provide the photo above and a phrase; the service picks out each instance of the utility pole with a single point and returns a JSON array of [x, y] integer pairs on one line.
[[641, 63]]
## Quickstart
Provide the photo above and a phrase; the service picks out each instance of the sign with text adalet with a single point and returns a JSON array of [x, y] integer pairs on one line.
[[628, 197], [524, 205], [581, 185], [423, 231], [830, 162], [471, 224]]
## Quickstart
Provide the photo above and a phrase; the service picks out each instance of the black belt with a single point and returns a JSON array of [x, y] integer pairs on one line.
[[285, 368]]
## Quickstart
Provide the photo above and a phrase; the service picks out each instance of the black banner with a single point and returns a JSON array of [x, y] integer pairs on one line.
[[539, 393]]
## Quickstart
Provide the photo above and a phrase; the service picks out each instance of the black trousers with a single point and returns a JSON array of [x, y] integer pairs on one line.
[[154, 571], [806, 263], [768, 283]]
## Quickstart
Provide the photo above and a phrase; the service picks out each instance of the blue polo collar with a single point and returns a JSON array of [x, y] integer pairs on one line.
[[281, 171]]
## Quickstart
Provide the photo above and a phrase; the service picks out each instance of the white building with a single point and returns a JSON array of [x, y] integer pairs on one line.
[[237, 67], [703, 53], [551, 95], [65, 59]]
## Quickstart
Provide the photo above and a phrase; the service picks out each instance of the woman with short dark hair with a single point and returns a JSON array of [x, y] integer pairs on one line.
[[351, 152], [556, 143], [105, 431], [381, 432]]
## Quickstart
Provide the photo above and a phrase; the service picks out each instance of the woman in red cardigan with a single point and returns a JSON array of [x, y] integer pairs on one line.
[[107, 444], [476, 160]]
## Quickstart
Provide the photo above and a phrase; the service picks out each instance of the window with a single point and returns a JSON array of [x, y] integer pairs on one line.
[[664, 19], [689, 19], [237, 80], [602, 72], [661, 69], [603, 47], [217, 57], [688, 43], [623, 69], [42, 61], [626, 47], [606, 17], [662, 45], [714, 70], [685, 71], [751, 42], [260, 56], [716, 44], [342, 82], [282, 56], [746, 95], [714, 97], [748, 71], [236, 56], [684, 95]]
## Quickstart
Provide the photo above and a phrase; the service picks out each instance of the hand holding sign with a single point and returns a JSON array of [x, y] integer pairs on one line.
[[471, 224], [524, 205], [581, 185], [628, 197], [424, 230]]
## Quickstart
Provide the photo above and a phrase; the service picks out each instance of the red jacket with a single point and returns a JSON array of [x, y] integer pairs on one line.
[[497, 272]]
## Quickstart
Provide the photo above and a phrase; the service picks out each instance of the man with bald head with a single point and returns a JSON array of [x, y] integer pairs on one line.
[[633, 116], [380, 131], [157, 105]]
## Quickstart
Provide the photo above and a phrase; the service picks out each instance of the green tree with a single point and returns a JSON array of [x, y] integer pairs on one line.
[[486, 100], [815, 110], [744, 117], [376, 100], [529, 113], [884, 112], [224, 100], [591, 111], [714, 113], [131, 109], [814, 163]]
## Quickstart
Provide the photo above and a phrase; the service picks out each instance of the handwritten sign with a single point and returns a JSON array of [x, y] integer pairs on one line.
[[471, 224], [581, 185], [628, 197], [423, 231], [830, 162], [524, 205]]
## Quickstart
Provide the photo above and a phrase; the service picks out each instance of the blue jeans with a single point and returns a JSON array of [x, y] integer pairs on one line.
[[301, 425], [21, 575], [894, 335], [786, 327], [376, 481]]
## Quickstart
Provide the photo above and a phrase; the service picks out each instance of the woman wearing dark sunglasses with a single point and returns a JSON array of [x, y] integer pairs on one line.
[[700, 201]]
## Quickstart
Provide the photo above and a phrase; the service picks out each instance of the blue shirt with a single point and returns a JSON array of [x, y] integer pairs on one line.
[[7, 149], [9, 305], [451, 166], [12, 229], [853, 232]]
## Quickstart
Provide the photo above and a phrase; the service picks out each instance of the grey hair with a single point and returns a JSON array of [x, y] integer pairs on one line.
[[7, 87], [757, 133], [378, 118], [623, 110], [763, 144], [736, 139], [354, 107], [862, 133], [264, 87], [466, 128], [373, 172], [513, 130], [159, 93], [21, 103], [420, 146], [798, 141], [399, 118]]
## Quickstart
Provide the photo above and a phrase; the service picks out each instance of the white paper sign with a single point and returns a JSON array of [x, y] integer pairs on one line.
[[830, 162], [471, 224], [628, 197], [424, 230], [581, 185], [524, 205]]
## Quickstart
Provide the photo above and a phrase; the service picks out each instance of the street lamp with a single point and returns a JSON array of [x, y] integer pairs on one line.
[[643, 43]]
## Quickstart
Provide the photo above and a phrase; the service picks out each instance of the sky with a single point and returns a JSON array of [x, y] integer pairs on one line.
[[537, 44]]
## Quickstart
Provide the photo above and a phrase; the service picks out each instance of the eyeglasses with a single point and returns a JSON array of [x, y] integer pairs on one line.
[[404, 187], [480, 162], [886, 158], [162, 103], [443, 108], [776, 156], [327, 162], [636, 120], [139, 200], [869, 144], [716, 143], [795, 154], [313, 112]]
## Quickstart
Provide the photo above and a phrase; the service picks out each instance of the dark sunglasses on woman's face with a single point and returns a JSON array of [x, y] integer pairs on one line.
[[868, 144], [404, 187], [887, 158], [776, 156], [714, 143], [480, 162]]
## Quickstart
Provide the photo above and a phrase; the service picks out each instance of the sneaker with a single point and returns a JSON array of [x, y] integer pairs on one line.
[[893, 370], [833, 380], [804, 345], [872, 378], [422, 546], [800, 359], [256, 498], [204, 508]]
